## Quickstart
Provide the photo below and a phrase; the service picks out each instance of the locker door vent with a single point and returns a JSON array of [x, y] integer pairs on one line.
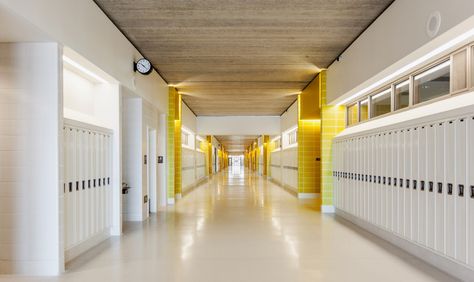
[[450, 189]]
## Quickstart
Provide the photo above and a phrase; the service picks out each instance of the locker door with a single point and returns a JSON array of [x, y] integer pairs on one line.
[[459, 193], [414, 182], [80, 195], [439, 188], [95, 183], [371, 183], [335, 169], [378, 190], [365, 182], [86, 178], [406, 183], [449, 148], [101, 182], [68, 223], [470, 192], [383, 205], [430, 186], [395, 203], [388, 186], [422, 192], [400, 180]]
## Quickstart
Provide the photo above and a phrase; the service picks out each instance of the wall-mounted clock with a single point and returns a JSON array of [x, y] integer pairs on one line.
[[143, 66]]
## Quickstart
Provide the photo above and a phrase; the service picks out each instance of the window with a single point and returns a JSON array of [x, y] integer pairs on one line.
[[460, 70], [402, 95], [381, 103], [277, 144], [432, 83], [293, 137], [184, 138], [364, 110], [352, 114]]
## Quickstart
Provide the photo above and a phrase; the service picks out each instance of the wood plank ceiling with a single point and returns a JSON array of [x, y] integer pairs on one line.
[[239, 57], [236, 144]]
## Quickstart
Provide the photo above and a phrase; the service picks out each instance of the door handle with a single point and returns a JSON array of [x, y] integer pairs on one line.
[[431, 186], [450, 188], [422, 183], [440, 187]]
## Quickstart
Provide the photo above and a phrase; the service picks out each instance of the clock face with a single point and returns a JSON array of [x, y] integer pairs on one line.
[[143, 66]]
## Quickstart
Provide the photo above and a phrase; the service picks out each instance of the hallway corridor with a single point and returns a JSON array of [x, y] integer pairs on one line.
[[240, 227]]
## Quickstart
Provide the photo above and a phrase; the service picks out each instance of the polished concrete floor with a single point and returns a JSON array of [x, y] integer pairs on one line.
[[240, 227]]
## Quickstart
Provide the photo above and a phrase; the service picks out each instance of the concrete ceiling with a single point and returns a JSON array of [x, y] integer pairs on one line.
[[236, 144], [241, 57]]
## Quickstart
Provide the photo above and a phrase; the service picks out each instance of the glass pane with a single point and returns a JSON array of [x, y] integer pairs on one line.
[[364, 110], [460, 71], [402, 95], [381, 103], [352, 115], [432, 83]]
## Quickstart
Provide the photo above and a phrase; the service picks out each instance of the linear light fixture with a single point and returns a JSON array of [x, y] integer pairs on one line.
[[453, 42], [83, 69]]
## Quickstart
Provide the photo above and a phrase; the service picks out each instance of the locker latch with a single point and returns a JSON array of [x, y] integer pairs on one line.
[[384, 180], [422, 183], [379, 179], [394, 181], [389, 181], [414, 184], [407, 183], [370, 178], [70, 187], [401, 182], [461, 190], [472, 191], [440, 187], [431, 186], [450, 188]]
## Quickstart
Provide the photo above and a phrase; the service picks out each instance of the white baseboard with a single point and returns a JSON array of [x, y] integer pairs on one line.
[[308, 195], [447, 265], [328, 209], [30, 267], [86, 245]]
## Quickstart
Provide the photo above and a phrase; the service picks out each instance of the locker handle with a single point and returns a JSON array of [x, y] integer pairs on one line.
[[407, 183], [370, 178], [394, 181], [461, 190], [389, 181], [70, 187], [401, 182], [89, 183], [366, 178], [472, 191], [379, 179], [431, 186], [77, 185], [99, 182], [83, 184], [440, 187], [103, 180], [414, 184], [94, 183], [384, 180], [450, 188], [422, 183], [108, 180]]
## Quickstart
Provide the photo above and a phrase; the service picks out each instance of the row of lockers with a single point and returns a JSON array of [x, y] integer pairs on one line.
[[416, 182], [87, 184]]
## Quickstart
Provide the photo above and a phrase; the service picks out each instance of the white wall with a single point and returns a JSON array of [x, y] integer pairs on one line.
[[132, 157], [188, 118], [289, 118], [83, 27], [31, 193], [150, 117], [238, 125], [399, 31]]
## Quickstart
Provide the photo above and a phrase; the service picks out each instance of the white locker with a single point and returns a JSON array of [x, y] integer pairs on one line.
[[371, 177], [470, 192], [414, 183], [406, 183], [378, 190], [68, 161], [440, 189], [449, 180], [430, 186], [422, 192], [389, 181], [383, 194], [400, 181], [460, 193], [395, 192]]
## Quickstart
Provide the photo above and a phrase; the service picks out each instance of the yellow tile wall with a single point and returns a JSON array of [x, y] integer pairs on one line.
[[332, 123]]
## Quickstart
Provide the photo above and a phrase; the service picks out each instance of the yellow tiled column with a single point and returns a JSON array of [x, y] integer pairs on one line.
[[333, 122], [266, 155], [174, 144], [209, 154], [309, 141]]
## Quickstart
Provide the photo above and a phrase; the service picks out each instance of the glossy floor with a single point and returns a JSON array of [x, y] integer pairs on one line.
[[240, 227]]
